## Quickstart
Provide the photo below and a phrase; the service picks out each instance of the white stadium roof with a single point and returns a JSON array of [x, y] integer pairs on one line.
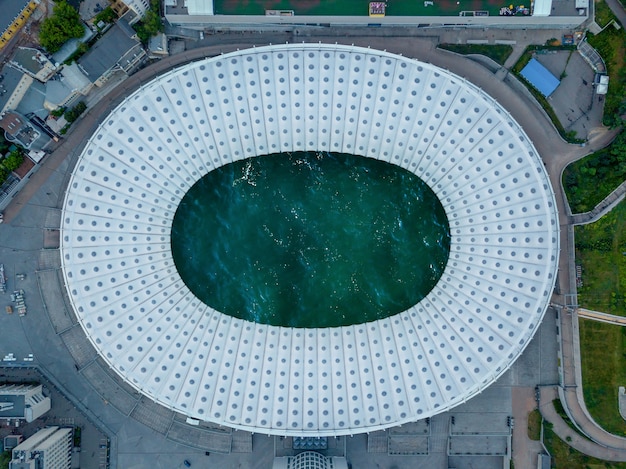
[[161, 339]]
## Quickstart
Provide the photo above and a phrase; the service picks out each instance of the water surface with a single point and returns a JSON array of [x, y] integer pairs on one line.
[[310, 239]]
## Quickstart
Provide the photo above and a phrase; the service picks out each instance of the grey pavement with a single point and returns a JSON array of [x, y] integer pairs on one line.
[[618, 10], [22, 238]]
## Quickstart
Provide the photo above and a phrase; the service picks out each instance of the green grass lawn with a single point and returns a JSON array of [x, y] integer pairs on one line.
[[603, 15], [565, 457], [589, 180], [600, 249], [603, 348], [497, 52], [534, 425], [357, 7]]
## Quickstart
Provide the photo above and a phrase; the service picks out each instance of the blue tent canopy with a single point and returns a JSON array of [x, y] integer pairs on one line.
[[540, 77]]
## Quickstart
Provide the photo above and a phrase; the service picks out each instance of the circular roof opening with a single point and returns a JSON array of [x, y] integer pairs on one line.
[[310, 239], [160, 338]]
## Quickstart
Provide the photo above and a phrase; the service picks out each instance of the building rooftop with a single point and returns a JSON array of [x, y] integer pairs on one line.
[[34, 62], [9, 79], [12, 406], [167, 344], [33, 99], [107, 52], [10, 10]]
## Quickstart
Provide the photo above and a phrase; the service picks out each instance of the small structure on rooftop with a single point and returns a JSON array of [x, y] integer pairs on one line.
[[11, 441], [23, 402], [158, 46], [33, 62]]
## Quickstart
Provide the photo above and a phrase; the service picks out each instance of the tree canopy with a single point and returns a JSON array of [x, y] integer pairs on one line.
[[151, 23], [64, 24], [14, 160]]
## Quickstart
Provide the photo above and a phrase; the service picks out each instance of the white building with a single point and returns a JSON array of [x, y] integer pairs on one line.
[[23, 401], [139, 7], [49, 448]]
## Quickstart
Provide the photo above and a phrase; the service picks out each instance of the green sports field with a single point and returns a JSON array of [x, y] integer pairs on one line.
[[358, 7]]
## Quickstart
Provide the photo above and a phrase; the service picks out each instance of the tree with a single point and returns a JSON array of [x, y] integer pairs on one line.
[[5, 459], [14, 160], [72, 114], [151, 23], [107, 16], [64, 24]]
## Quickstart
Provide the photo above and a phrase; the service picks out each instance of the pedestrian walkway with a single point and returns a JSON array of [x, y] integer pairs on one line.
[[602, 317], [604, 207], [573, 438], [618, 10]]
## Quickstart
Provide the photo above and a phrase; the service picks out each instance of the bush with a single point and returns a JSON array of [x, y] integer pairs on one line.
[[58, 112], [610, 44], [151, 23], [64, 24], [72, 114], [13, 161], [589, 180], [4, 174], [5, 459], [107, 16]]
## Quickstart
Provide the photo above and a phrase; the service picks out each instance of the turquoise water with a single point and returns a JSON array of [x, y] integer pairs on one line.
[[310, 239]]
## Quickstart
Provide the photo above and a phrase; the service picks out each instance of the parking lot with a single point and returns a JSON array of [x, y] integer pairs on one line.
[[575, 102]]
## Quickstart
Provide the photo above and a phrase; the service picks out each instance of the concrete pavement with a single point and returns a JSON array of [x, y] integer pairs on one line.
[[602, 317], [573, 438], [618, 10]]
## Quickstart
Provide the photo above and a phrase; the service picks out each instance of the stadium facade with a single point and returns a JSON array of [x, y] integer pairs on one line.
[[148, 326]]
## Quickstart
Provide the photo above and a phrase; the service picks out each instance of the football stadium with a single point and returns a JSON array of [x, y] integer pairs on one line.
[[150, 327]]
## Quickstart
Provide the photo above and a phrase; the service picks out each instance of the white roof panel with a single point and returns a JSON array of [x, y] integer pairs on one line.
[[166, 343]]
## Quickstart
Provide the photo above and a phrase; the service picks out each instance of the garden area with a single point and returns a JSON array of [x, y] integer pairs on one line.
[[63, 25], [603, 347], [600, 251], [589, 180], [566, 457], [10, 163]]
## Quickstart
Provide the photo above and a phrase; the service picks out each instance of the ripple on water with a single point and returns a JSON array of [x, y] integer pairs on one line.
[[310, 239]]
